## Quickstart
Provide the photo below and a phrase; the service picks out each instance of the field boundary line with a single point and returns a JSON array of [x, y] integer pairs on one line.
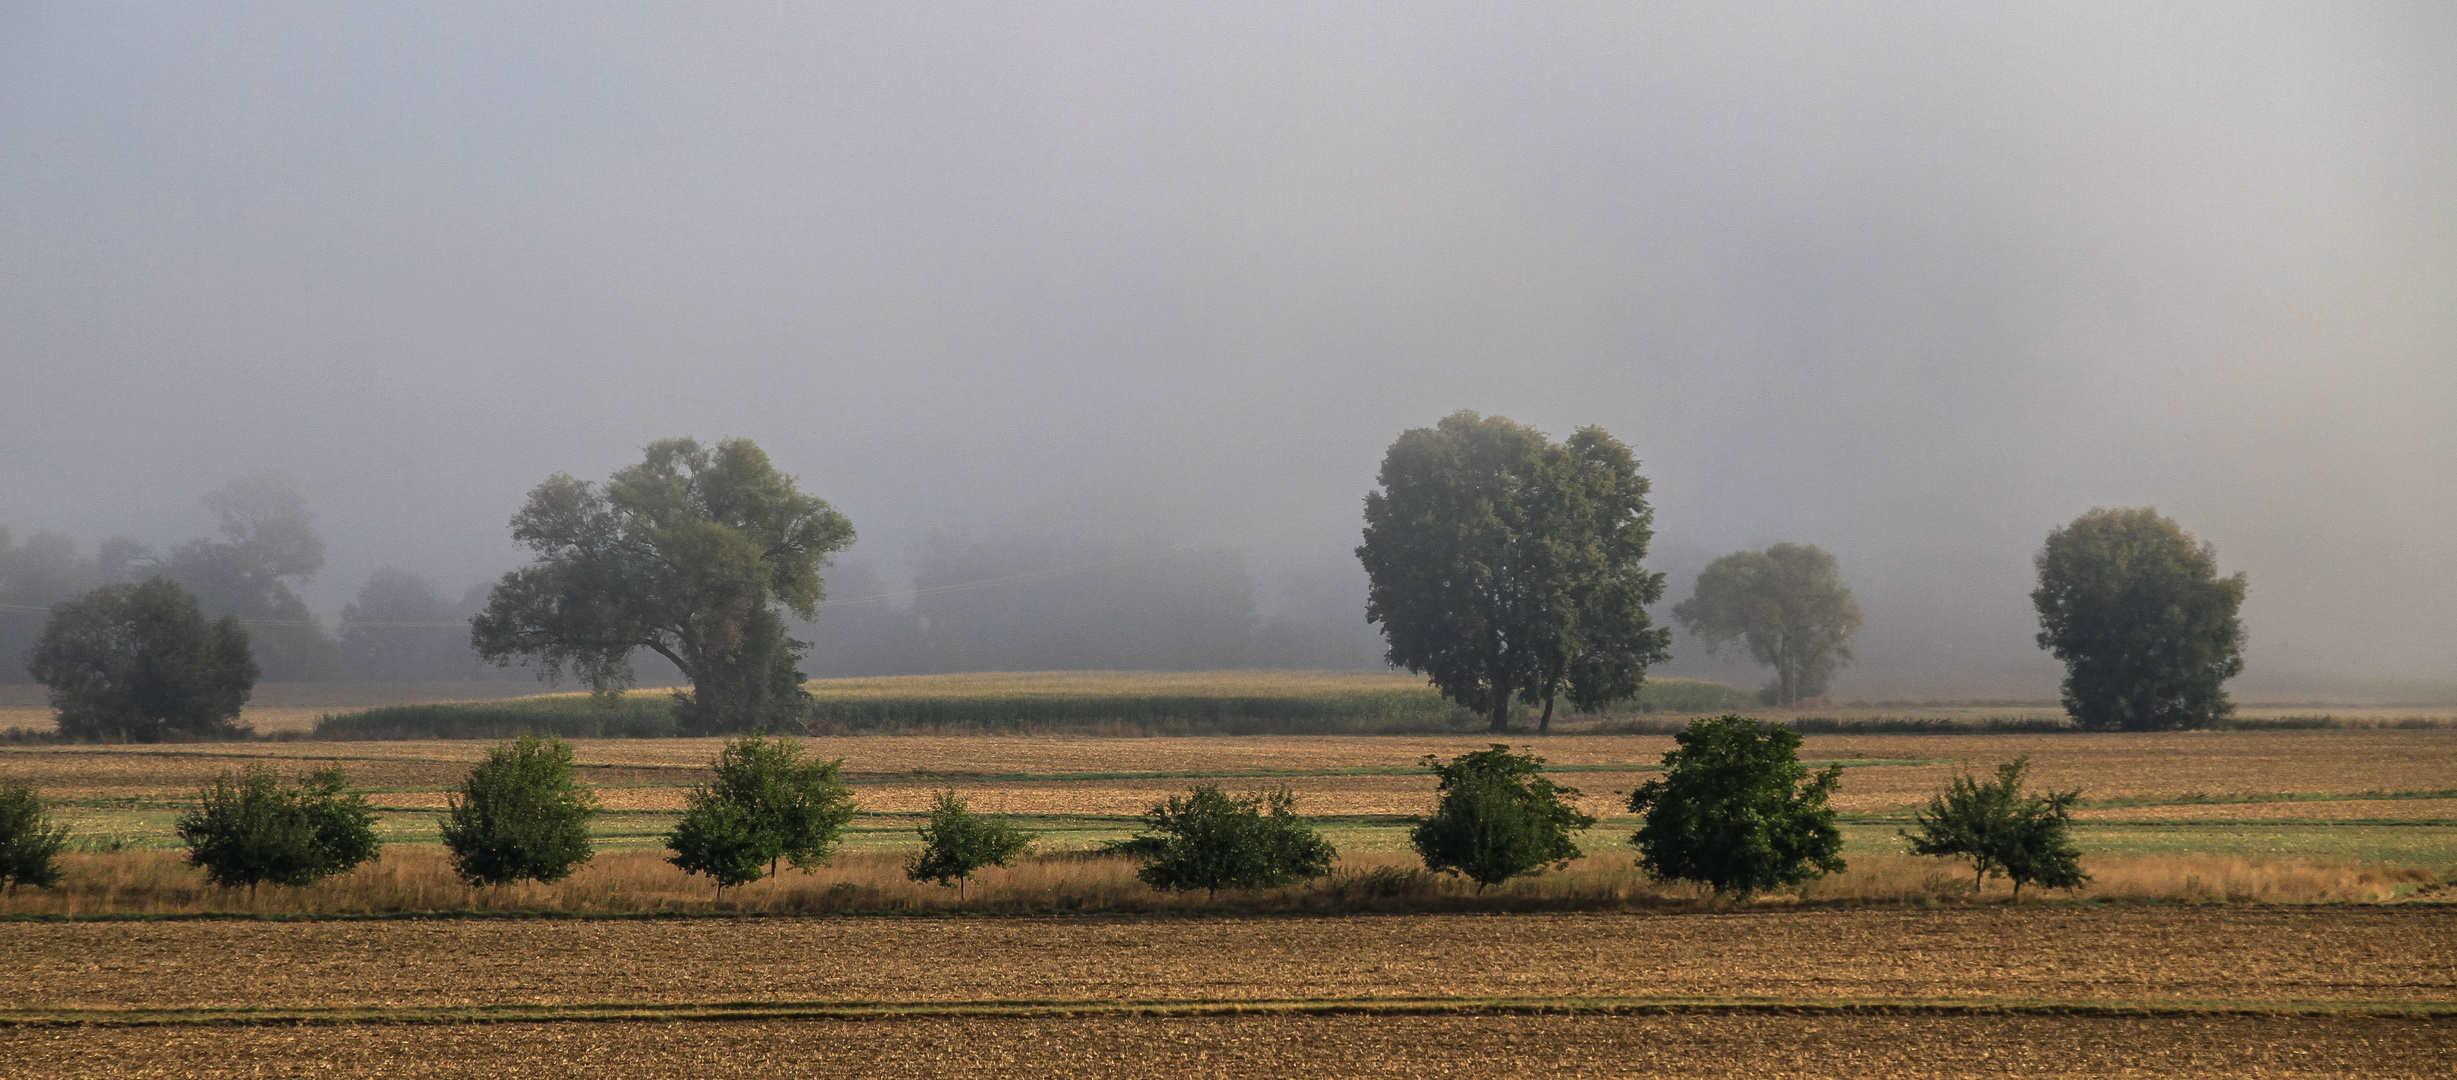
[[617, 1012]]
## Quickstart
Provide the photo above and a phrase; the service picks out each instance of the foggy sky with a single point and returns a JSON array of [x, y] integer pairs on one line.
[[1915, 283]]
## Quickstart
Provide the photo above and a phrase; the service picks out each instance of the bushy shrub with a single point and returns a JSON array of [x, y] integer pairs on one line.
[[2003, 832], [1498, 817], [30, 841], [1736, 810], [956, 842], [519, 816], [1210, 840], [250, 827], [768, 804]]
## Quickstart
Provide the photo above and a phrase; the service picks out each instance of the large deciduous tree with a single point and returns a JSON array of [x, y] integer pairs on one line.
[[2145, 626], [1789, 604], [688, 554], [1505, 566], [140, 663]]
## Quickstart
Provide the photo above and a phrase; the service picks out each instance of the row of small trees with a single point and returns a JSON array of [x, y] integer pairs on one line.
[[1735, 810]]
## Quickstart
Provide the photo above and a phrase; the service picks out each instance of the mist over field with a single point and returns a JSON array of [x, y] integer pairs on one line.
[[1096, 319]]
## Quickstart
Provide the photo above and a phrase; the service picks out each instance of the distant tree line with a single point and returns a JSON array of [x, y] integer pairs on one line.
[[1505, 567]]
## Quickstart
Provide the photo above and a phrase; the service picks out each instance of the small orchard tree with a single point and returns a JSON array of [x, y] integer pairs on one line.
[[1498, 817], [723, 841], [1736, 809], [519, 816], [140, 663], [2145, 626], [30, 841], [769, 799], [1210, 840], [956, 842], [2003, 832], [250, 828]]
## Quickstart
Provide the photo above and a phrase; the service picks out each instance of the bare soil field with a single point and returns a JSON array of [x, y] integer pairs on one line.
[[2065, 992], [2175, 955], [1199, 1048]]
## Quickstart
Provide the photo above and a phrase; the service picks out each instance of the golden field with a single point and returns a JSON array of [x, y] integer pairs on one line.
[[2231, 929]]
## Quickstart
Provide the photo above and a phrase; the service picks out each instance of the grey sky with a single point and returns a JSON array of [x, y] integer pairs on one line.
[[1912, 282]]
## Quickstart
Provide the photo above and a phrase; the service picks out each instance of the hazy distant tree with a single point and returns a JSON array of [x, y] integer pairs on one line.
[[2145, 626], [267, 544], [1736, 809], [43, 571], [688, 554], [2002, 831], [519, 816], [769, 799], [1789, 604], [1497, 817], [30, 841], [250, 827], [1210, 840], [401, 630], [956, 842], [1505, 566], [139, 663]]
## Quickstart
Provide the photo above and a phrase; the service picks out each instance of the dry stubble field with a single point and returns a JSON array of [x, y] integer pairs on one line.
[[2040, 989]]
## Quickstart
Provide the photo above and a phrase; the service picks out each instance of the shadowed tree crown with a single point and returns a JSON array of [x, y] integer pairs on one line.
[[2145, 626], [1789, 604], [140, 663], [1506, 566], [688, 554]]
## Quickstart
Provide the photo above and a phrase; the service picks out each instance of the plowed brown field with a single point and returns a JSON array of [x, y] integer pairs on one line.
[[1200, 1048], [2259, 954], [2160, 991]]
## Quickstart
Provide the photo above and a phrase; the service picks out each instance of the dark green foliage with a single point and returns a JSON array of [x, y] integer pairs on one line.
[[1498, 818], [2003, 832], [250, 827], [958, 842], [30, 841], [1505, 566], [140, 663], [688, 554], [1736, 810], [1789, 604], [519, 816], [769, 799], [723, 841], [2145, 626], [1210, 840]]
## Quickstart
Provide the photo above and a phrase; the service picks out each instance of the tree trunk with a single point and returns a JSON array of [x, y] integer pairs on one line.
[[1501, 714], [1545, 725]]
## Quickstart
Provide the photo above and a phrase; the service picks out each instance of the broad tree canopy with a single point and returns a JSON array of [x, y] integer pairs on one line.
[[140, 663], [1789, 604], [2145, 626], [688, 554], [1505, 565]]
